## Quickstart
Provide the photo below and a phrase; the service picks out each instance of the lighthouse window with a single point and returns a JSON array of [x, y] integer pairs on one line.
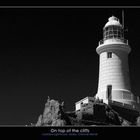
[[115, 32], [109, 54]]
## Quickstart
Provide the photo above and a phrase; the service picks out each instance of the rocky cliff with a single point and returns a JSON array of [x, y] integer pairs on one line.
[[97, 113]]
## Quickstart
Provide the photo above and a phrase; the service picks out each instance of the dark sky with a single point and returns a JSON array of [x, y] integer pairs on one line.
[[52, 52]]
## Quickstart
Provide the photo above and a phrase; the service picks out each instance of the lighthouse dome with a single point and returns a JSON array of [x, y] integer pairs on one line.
[[113, 21]]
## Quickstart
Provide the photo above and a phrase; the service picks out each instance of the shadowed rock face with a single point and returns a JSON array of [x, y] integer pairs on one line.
[[138, 121], [96, 114]]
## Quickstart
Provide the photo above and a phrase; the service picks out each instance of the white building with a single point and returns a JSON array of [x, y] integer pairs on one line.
[[86, 100], [114, 83]]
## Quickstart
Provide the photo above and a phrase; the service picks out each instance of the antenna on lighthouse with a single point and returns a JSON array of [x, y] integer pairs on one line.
[[123, 19]]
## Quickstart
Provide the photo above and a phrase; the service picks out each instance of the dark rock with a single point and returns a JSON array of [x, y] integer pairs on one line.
[[112, 116], [125, 123], [138, 121]]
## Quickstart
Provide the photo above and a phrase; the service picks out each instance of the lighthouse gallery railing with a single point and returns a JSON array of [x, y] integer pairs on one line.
[[114, 39]]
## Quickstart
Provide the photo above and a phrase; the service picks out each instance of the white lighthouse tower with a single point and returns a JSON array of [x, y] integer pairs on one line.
[[113, 50]]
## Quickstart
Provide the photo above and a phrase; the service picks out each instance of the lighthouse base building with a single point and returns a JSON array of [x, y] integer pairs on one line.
[[114, 86]]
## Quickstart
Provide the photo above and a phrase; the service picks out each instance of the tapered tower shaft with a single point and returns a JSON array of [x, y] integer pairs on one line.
[[113, 50]]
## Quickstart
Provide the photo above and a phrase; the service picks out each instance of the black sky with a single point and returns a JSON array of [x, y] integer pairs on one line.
[[52, 52]]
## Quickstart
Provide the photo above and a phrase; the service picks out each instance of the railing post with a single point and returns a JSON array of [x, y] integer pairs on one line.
[[138, 100], [131, 98], [101, 42]]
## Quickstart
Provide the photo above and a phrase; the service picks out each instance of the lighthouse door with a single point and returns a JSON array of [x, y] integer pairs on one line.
[[109, 91]]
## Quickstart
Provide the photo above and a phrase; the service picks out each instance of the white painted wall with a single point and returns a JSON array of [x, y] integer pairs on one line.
[[86, 100], [78, 106], [114, 71]]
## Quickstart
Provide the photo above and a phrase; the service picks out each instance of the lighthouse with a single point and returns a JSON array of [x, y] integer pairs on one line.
[[114, 86], [114, 82]]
